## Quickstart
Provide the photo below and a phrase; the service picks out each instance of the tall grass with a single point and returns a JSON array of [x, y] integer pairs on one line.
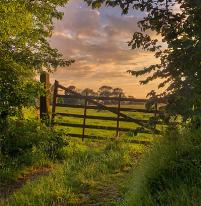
[[70, 183], [170, 173]]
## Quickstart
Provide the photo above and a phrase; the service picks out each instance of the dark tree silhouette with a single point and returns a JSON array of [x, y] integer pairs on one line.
[[89, 91]]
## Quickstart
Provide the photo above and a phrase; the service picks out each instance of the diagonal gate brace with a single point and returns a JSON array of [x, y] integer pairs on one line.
[[102, 106]]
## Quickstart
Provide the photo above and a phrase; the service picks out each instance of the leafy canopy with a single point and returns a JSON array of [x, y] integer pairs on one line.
[[178, 23], [25, 28]]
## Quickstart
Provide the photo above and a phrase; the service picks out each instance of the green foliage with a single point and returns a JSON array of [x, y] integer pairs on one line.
[[20, 138], [15, 91], [27, 142], [177, 24], [55, 144], [25, 50], [23, 135], [170, 174], [14, 18]]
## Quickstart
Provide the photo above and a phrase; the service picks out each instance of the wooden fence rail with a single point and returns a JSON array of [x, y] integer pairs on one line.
[[102, 98], [90, 103], [109, 108]]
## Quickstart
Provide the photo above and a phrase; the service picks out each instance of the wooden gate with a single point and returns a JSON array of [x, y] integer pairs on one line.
[[93, 102]]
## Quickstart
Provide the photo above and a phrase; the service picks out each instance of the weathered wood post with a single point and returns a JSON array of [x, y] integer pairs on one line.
[[156, 108], [85, 114], [45, 99], [118, 114]]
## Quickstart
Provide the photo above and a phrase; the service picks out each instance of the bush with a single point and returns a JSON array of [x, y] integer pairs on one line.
[[23, 135], [170, 174], [20, 138], [28, 142]]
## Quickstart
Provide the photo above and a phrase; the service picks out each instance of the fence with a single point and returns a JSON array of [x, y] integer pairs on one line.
[[93, 102]]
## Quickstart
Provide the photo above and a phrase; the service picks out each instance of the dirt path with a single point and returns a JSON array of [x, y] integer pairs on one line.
[[31, 175], [107, 192]]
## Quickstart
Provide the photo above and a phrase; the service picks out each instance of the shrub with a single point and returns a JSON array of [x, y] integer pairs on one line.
[[28, 142], [20, 138], [23, 135], [170, 174]]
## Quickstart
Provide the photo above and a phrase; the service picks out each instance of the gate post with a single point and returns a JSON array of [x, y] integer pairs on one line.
[[118, 114], [45, 99], [85, 114], [156, 108], [54, 102]]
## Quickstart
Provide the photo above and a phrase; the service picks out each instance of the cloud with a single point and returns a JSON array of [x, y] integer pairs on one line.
[[98, 42]]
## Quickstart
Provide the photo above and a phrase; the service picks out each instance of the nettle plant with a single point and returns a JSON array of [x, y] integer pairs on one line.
[[177, 23]]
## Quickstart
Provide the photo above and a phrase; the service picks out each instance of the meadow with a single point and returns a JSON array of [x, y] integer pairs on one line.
[[101, 172], [92, 173], [84, 173]]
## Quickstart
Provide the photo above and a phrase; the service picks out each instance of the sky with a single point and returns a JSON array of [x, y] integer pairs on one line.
[[97, 41]]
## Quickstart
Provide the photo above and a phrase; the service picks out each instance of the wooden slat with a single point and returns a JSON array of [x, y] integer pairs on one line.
[[109, 139], [75, 106], [114, 109], [99, 117], [104, 118], [97, 127], [162, 101], [89, 126], [103, 98]]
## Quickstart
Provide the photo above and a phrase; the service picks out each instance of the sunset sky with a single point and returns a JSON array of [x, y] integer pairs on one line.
[[97, 41]]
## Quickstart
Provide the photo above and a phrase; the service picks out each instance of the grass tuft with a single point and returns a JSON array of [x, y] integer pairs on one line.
[[170, 173]]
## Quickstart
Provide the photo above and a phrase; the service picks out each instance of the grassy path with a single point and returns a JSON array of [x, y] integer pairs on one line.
[[31, 174], [92, 174], [108, 192]]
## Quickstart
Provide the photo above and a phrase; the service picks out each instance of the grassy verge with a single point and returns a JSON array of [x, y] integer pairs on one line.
[[170, 174], [91, 174]]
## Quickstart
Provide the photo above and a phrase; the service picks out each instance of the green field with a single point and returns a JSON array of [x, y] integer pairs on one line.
[[103, 113], [91, 171]]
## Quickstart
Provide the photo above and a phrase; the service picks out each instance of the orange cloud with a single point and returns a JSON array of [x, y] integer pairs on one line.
[[98, 43]]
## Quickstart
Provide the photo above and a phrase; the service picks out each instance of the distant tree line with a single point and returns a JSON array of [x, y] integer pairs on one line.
[[103, 91]]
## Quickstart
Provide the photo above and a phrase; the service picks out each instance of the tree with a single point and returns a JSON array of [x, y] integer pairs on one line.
[[71, 100], [179, 65], [88, 91], [71, 88], [14, 19], [25, 50], [105, 91], [117, 91]]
